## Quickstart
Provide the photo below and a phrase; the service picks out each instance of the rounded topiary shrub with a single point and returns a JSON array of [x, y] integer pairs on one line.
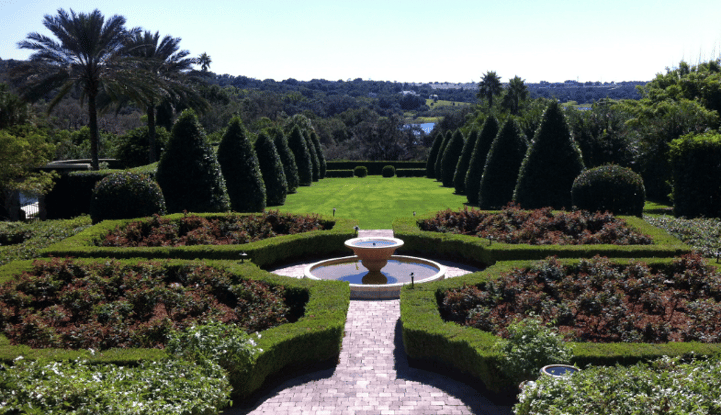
[[126, 195], [609, 188], [388, 171], [360, 171]]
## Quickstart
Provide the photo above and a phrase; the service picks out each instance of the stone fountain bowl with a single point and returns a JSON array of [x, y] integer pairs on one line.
[[374, 252]]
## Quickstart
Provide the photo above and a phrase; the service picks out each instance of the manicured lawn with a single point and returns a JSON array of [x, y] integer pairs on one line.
[[374, 200]]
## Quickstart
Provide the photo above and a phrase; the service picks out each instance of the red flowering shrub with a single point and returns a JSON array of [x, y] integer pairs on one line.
[[536, 227], [220, 230], [64, 304], [598, 301]]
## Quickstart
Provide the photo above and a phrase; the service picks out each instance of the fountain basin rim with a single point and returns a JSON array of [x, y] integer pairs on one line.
[[397, 243], [383, 287]]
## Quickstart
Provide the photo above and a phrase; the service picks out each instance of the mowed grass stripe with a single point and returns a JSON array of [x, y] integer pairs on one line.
[[374, 201]]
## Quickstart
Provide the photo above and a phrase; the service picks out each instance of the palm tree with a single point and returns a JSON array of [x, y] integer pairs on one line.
[[204, 61], [516, 92], [86, 55], [489, 87], [167, 66]]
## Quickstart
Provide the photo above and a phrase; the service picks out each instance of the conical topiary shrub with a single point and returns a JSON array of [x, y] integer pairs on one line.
[[315, 162], [297, 145], [188, 171], [286, 157], [552, 163], [433, 156], [240, 168], [441, 151], [478, 158], [502, 164], [450, 158], [276, 187], [319, 152], [459, 177]]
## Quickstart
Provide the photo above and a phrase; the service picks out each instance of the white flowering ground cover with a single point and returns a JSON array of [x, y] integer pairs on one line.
[[668, 386]]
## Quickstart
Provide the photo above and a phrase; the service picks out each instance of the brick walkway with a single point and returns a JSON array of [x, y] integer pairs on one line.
[[373, 377]]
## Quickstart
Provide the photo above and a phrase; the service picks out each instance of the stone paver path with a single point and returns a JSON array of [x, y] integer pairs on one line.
[[373, 377]]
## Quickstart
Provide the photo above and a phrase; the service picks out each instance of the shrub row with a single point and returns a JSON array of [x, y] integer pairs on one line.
[[262, 253], [339, 173], [314, 337], [375, 168], [489, 252], [426, 336], [410, 172]]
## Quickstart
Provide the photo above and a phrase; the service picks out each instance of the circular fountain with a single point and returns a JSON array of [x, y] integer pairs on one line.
[[374, 272]]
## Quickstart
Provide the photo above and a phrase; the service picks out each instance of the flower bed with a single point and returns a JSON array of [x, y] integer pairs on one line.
[[217, 230], [63, 303], [598, 301], [536, 227]]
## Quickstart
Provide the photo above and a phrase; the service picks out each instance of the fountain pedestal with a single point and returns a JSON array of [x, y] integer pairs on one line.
[[374, 253]]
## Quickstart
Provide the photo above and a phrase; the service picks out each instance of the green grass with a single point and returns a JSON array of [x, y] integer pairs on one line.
[[374, 200]]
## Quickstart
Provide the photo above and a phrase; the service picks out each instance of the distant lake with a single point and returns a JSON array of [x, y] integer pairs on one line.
[[427, 127]]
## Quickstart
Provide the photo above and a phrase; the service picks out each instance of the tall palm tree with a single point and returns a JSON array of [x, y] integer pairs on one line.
[[86, 55], [166, 66], [516, 92], [204, 61], [489, 87]]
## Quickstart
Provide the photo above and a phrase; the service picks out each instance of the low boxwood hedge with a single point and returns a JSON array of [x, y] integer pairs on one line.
[[411, 172], [262, 253], [427, 337], [339, 173], [315, 337], [489, 252], [375, 168]]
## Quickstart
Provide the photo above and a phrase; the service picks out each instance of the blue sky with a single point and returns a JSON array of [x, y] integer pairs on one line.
[[413, 41]]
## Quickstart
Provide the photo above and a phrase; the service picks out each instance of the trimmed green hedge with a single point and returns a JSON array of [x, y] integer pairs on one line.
[[427, 337], [339, 173], [375, 168], [410, 172], [488, 252], [315, 337], [262, 253]]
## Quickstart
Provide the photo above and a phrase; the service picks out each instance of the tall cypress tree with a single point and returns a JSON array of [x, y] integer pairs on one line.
[[319, 152], [188, 171], [502, 165], [315, 162], [478, 158], [439, 159], [297, 145], [459, 177], [433, 156], [240, 168], [450, 158], [272, 169], [552, 163], [286, 157]]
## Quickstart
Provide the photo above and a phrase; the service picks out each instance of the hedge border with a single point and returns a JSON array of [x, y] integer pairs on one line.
[[487, 252], [315, 337], [426, 337], [410, 172], [262, 253], [339, 173], [375, 168]]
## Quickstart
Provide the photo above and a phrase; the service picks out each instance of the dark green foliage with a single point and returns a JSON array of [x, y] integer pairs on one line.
[[126, 195], [241, 171], [389, 171], [696, 170], [189, 172], [609, 188], [459, 177], [451, 154], [552, 163], [315, 162], [298, 146], [132, 148], [360, 171], [319, 152], [375, 168], [276, 187], [287, 158], [478, 158], [433, 155], [439, 158], [339, 173], [502, 164]]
